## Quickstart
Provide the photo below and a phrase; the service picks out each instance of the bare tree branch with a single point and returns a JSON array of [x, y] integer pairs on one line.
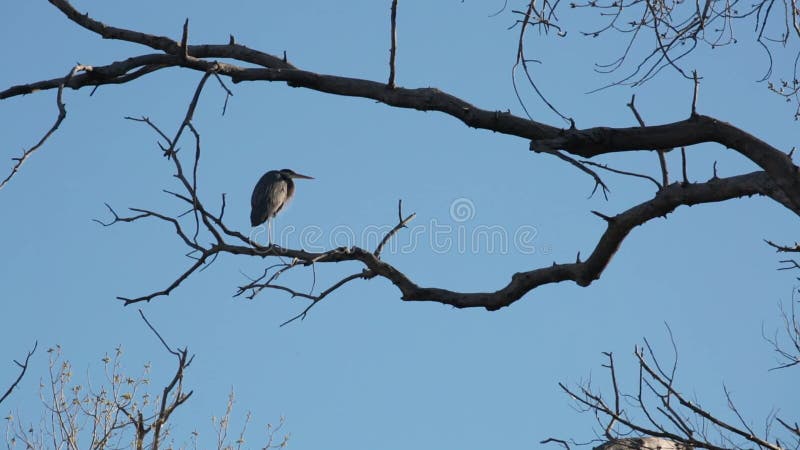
[[788, 355], [393, 49], [694, 93], [115, 414], [582, 273], [366, 274], [585, 143], [534, 16], [784, 248], [777, 179], [62, 114], [598, 182], [662, 162], [23, 366], [683, 165], [682, 423], [401, 223], [560, 442], [623, 172]]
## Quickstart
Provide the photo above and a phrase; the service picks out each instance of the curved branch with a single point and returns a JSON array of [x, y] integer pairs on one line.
[[586, 143], [779, 179], [62, 114], [695, 130], [582, 273], [166, 44], [619, 226], [96, 75]]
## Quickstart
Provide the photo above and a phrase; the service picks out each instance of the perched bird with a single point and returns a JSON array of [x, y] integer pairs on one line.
[[272, 192]]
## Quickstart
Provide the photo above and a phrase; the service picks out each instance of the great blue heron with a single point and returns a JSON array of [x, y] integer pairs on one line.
[[272, 192]]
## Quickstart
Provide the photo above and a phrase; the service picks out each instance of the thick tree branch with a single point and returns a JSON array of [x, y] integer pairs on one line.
[[582, 273], [695, 130], [778, 180], [168, 45], [586, 143]]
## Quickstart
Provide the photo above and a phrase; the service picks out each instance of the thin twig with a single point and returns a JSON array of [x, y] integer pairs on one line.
[[158, 335], [615, 385], [598, 182], [185, 40], [683, 166], [623, 172], [523, 60], [228, 92], [146, 298], [323, 294], [695, 92], [557, 441], [62, 114], [784, 248], [23, 368], [662, 161], [393, 50], [401, 224]]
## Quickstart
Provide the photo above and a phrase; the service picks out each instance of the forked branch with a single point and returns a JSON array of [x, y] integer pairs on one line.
[[583, 273], [23, 367], [777, 178], [656, 409], [787, 348], [585, 143], [62, 114]]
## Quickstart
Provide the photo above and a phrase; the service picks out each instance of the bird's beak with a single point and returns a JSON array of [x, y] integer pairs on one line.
[[300, 175]]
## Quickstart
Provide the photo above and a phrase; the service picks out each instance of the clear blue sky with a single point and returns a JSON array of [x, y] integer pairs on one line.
[[366, 370]]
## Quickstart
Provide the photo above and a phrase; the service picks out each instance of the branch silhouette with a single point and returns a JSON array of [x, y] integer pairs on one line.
[[23, 367], [777, 178]]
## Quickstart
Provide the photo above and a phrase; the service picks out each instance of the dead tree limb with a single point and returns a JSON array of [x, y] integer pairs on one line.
[[658, 410], [62, 114], [580, 142], [777, 178], [23, 367], [393, 49], [582, 273]]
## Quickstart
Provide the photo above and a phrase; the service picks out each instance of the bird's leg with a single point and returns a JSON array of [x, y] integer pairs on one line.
[[269, 232]]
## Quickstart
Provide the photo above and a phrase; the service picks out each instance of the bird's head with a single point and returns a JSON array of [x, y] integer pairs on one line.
[[289, 173]]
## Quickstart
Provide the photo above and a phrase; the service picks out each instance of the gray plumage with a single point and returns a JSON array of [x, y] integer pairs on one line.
[[272, 192]]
